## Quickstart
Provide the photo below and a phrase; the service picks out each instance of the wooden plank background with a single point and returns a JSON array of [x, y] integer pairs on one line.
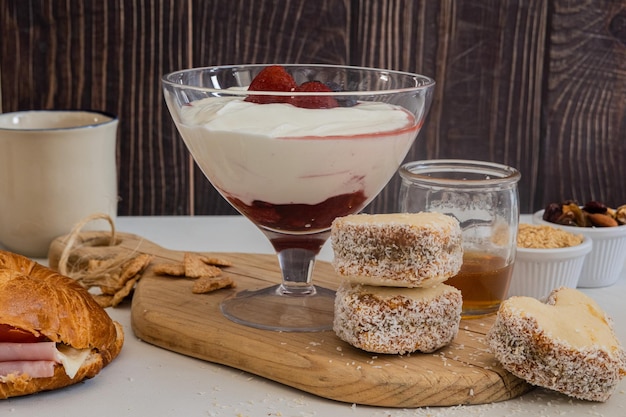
[[539, 85]]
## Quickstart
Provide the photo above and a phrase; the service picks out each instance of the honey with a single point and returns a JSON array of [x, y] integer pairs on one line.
[[484, 282]]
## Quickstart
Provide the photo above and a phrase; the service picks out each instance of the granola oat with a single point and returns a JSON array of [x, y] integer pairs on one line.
[[545, 237]]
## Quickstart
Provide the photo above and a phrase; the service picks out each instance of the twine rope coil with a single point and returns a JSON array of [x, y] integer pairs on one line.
[[93, 277]]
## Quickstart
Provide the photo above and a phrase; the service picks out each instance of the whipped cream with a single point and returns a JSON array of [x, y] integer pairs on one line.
[[282, 154], [283, 120]]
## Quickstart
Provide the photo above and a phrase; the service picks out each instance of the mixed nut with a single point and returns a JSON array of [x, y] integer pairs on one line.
[[592, 214]]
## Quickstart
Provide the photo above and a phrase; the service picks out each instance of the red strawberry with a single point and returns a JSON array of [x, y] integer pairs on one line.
[[271, 78], [314, 102]]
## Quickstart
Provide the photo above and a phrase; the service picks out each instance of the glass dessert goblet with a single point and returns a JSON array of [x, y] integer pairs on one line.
[[292, 161]]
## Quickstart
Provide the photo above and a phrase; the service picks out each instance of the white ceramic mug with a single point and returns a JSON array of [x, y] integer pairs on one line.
[[56, 168]]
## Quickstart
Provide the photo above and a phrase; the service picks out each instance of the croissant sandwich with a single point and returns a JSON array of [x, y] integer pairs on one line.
[[52, 332]]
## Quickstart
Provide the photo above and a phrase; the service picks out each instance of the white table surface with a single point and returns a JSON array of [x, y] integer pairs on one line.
[[149, 381]]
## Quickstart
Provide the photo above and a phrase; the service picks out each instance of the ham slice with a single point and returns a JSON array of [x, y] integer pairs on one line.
[[35, 359], [35, 369], [28, 351]]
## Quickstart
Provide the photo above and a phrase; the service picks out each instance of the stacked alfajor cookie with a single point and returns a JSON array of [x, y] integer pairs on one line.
[[392, 298]]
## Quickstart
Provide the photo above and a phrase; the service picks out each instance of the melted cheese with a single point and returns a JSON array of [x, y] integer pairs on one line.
[[72, 359]]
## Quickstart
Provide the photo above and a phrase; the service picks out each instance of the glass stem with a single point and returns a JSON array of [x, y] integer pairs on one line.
[[296, 256], [297, 268]]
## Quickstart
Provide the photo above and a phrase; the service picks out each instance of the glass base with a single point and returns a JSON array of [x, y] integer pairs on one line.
[[274, 308], [479, 313]]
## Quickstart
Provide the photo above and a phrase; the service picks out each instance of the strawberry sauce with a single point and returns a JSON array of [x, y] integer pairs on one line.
[[301, 218]]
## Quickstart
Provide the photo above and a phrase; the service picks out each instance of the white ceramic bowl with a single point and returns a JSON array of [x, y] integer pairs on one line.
[[536, 272], [606, 260]]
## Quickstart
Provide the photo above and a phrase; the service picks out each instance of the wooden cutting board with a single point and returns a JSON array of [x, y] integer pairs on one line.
[[167, 314]]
